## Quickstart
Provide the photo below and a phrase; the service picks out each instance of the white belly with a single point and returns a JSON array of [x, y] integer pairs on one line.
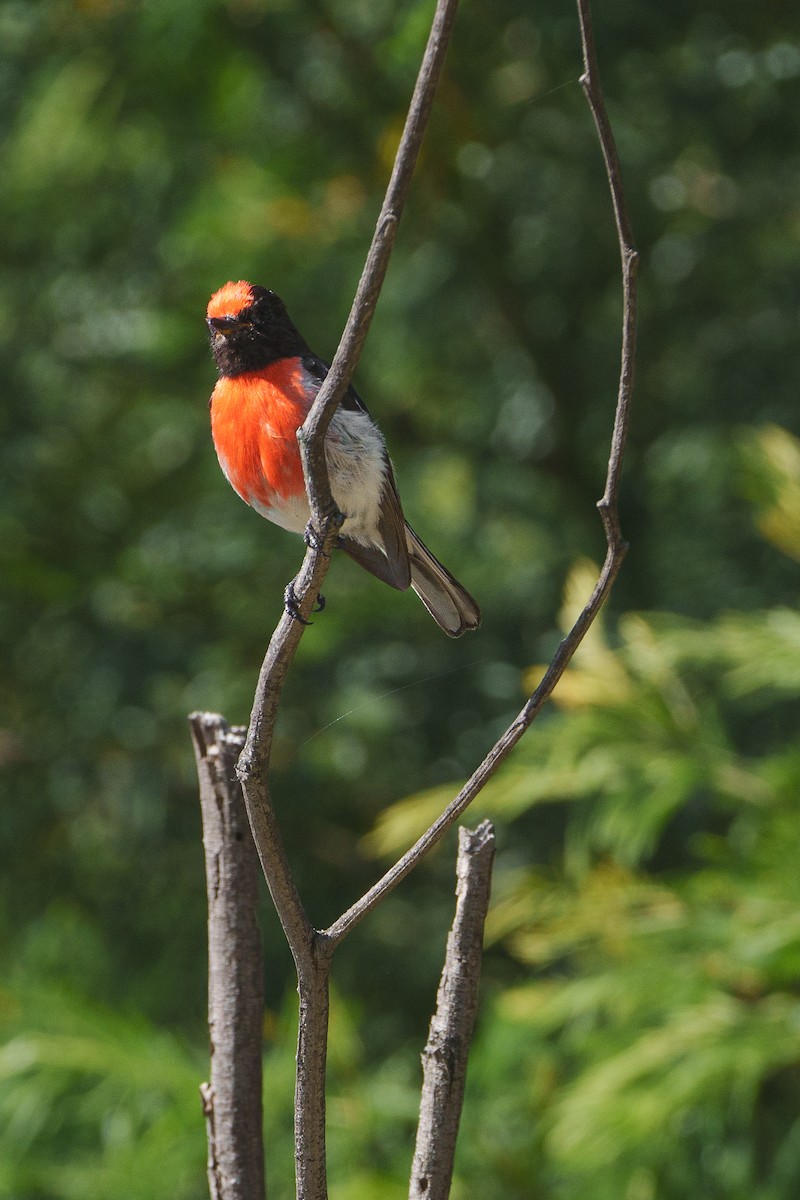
[[356, 458], [293, 514]]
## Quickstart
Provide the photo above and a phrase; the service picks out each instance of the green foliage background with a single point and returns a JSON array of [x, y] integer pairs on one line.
[[639, 1030]]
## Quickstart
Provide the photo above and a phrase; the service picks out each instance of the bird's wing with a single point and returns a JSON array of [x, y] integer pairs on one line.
[[392, 566]]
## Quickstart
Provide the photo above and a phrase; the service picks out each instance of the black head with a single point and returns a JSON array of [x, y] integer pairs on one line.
[[249, 328]]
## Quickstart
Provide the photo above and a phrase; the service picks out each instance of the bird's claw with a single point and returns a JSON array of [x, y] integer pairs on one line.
[[292, 605], [312, 538]]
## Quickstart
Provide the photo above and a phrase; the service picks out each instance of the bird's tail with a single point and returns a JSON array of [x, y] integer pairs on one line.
[[450, 605]]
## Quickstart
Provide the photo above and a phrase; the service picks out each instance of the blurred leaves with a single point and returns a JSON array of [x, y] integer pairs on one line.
[[95, 1102], [657, 1027], [773, 462], [90, 1098]]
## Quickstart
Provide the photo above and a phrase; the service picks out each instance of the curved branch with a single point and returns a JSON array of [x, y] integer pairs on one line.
[[616, 547], [253, 764], [590, 82]]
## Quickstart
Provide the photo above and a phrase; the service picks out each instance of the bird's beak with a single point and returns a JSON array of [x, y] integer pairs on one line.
[[222, 325]]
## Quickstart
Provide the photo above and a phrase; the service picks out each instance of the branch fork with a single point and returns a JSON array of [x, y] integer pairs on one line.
[[313, 949]]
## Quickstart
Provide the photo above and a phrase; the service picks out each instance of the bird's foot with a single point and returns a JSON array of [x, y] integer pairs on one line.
[[292, 605], [312, 538]]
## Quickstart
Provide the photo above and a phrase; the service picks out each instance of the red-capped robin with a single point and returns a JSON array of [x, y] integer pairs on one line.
[[268, 378]]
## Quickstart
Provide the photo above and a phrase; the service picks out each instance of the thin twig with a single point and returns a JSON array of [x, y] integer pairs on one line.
[[232, 1098], [444, 1060], [590, 82], [616, 547]]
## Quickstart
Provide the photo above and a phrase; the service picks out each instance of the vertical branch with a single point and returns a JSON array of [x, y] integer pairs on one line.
[[309, 1095], [232, 1098], [445, 1058]]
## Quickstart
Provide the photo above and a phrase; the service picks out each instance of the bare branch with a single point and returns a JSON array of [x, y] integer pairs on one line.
[[312, 950], [254, 761], [616, 547], [232, 1098], [445, 1058]]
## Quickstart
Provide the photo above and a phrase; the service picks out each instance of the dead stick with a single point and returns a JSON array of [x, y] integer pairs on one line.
[[444, 1061], [232, 1098]]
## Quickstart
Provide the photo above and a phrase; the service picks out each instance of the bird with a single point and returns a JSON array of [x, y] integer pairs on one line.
[[267, 381]]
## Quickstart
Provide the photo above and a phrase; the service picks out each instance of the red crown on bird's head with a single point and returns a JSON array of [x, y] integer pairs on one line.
[[230, 299]]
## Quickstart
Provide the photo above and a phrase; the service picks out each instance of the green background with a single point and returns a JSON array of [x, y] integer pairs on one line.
[[639, 1036]]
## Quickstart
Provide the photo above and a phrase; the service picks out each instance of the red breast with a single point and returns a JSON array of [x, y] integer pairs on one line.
[[254, 422]]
